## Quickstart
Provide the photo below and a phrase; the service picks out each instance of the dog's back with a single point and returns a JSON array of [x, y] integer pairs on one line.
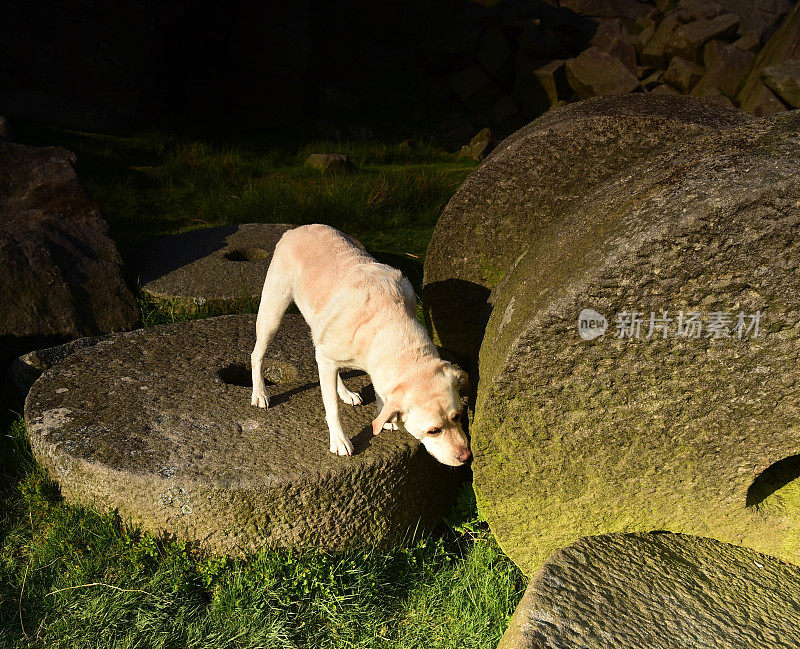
[[326, 268]]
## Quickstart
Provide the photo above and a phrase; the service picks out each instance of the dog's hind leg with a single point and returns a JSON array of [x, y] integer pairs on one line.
[[349, 397], [275, 299]]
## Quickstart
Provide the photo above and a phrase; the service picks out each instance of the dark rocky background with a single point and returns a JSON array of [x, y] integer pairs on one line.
[[444, 69]]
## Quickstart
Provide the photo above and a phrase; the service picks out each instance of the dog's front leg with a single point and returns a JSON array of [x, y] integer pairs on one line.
[[328, 374]]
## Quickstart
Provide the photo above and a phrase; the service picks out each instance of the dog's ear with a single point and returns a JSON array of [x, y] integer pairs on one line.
[[461, 378], [389, 412]]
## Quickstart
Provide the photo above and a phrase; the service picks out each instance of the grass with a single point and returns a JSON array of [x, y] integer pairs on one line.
[[154, 185], [73, 577]]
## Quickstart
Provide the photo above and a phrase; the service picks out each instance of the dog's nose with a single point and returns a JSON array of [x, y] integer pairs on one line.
[[464, 455]]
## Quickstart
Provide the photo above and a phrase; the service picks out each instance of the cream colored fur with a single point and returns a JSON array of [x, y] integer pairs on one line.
[[361, 315]]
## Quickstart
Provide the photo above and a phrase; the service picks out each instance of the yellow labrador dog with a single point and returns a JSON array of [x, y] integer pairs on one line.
[[361, 315]]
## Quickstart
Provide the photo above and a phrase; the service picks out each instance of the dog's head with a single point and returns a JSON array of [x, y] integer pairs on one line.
[[427, 403]]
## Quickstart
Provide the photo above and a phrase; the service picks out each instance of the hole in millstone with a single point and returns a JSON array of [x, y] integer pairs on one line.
[[246, 254], [769, 490], [239, 374], [274, 372]]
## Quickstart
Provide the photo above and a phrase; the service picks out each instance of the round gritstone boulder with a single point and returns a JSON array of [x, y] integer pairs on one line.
[[157, 423], [215, 268], [644, 366], [658, 591], [534, 176]]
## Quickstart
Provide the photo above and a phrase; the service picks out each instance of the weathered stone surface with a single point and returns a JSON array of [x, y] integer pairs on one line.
[[784, 80], [754, 96], [60, 272], [495, 216], [688, 40], [658, 591], [327, 161], [726, 68], [480, 146], [158, 424], [24, 371], [682, 74], [678, 433], [594, 73], [217, 268]]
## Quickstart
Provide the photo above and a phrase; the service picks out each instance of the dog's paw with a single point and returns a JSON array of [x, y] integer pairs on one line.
[[260, 401], [350, 398], [341, 446]]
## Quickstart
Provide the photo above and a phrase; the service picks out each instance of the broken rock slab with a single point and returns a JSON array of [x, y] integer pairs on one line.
[[60, 271], [658, 591], [784, 80], [157, 424], [215, 268], [594, 73]]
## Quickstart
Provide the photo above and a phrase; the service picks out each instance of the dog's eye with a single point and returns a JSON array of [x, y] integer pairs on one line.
[[434, 431]]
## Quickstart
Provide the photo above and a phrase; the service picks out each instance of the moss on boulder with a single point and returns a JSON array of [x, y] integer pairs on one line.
[[574, 437], [658, 591]]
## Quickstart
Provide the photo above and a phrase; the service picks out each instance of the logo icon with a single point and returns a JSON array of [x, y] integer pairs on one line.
[[591, 324]]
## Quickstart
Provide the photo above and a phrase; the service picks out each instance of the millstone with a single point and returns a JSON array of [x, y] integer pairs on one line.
[[658, 591], [534, 175], [157, 423], [217, 268], [584, 425]]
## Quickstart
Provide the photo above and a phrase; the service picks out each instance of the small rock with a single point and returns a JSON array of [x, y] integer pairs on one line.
[[540, 87], [664, 89], [726, 68], [682, 74], [613, 39], [688, 40], [749, 42], [761, 101], [784, 80], [594, 73], [651, 81], [701, 9], [643, 38], [327, 161], [653, 53], [480, 146]]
